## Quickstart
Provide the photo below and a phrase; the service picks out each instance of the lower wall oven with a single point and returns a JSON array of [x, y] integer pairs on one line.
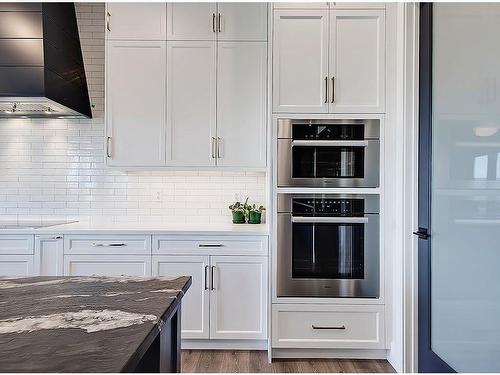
[[328, 245]]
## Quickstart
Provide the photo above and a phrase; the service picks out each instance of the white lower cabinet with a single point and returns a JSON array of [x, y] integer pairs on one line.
[[328, 326], [16, 265], [195, 304], [107, 265], [49, 253], [239, 297]]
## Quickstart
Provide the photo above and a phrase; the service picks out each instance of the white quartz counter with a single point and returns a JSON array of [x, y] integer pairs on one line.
[[134, 228]]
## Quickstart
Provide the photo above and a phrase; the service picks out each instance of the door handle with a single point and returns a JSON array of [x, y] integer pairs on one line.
[[108, 18], [206, 277], [218, 23], [333, 89], [219, 154], [328, 327], [108, 152], [422, 233], [213, 147], [326, 89], [212, 278], [213, 22]]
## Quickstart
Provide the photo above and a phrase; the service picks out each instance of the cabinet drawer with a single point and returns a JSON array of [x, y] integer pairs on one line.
[[314, 326], [107, 265], [14, 244], [16, 265], [107, 244], [210, 245]]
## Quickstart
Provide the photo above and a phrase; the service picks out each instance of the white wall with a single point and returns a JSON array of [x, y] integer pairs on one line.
[[56, 168]]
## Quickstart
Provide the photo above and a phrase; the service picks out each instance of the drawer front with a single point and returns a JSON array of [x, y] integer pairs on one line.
[[107, 244], [16, 265], [106, 265], [16, 245], [346, 327], [210, 245]]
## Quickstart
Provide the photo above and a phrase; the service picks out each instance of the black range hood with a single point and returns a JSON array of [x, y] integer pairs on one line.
[[41, 63]]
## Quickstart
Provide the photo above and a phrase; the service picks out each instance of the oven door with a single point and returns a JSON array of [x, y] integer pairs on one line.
[[328, 256], [328, 163]]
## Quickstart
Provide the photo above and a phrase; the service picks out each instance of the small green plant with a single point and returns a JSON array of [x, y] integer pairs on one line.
[[254, 213], [239, 211], [254, 208]]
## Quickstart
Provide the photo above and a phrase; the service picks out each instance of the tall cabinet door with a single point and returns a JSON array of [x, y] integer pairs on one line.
[[300, 66], [191, 21], [191, 76], [136, 21], [239, 297], [242, 21], [357, 61], [241, 104], [135, 101], [195, 313]]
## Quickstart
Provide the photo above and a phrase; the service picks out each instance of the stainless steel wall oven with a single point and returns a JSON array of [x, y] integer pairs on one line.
[[328, 153], [328, 245]]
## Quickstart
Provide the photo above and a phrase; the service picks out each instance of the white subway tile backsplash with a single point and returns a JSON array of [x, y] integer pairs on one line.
[[55, 169]]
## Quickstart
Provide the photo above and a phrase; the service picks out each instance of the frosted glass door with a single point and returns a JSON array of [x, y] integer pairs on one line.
[[464, 252]]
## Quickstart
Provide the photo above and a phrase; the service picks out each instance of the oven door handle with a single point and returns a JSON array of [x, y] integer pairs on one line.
[[330, 143], [333, 220]]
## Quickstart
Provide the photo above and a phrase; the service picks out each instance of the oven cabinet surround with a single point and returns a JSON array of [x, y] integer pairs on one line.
[[328, 60], [227, 305], [228, 297], [186, 85]]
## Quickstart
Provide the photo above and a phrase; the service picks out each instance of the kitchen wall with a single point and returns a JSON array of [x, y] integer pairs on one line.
[[55, 169]]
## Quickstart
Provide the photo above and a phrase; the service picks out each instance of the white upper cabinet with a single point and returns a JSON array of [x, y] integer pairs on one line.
[[135, 103], [330, 5], [308, 5], [191, 21], [242, 21], [357, 5], [300, 66], [136, 21], [357, 61], [241, 104], [191, 128], [239, 297]]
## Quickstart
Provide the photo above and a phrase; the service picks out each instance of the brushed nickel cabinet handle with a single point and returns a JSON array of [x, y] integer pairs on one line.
[[219, 154], [218, 23], [212, 283], [213, 147], [210, 245], [108, 152], [108, 18], [326, 89], [328, 327], [206, 277], [333, 89], [213, 22], [95, 244]]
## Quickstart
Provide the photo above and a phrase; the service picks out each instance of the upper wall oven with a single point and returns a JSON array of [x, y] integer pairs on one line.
[[328, 153]]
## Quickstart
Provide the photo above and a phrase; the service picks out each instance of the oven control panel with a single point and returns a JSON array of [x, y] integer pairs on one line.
[[339, 132], [328, 207]]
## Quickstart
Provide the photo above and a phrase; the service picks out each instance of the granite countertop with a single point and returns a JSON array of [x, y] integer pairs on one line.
[[145, 228], [81, 324]]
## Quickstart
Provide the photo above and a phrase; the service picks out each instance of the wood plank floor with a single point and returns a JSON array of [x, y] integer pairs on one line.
[[256, 361]]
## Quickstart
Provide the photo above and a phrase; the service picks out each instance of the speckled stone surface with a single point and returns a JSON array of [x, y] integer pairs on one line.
[[80, 324]]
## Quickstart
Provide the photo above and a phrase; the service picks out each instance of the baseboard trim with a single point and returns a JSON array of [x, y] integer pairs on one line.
[[330, 353], [224, 344]]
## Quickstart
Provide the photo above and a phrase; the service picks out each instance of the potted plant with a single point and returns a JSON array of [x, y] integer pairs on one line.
[[255, 214], [239, 210]]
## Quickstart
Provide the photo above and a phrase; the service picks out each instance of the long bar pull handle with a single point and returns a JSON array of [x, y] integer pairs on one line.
[[95, 244], [329, 220], [219, 153], [333, 89], [326, 89], [108, 18], [329, 143], [206, 277], [218, 23], [213, 147], [213, 22], [212, 278], [328, 327], [108, 152], [210, 245]]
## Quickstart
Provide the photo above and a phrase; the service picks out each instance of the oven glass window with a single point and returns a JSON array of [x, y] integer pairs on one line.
[[328, 251], [328, 162]]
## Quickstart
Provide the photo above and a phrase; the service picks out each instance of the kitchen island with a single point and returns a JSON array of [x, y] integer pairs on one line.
[[91, 324]]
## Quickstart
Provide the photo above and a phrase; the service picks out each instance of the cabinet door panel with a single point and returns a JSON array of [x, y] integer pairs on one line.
[[243, 21], [191, 103], [191, 21], [300, 66], [195, 306], [16, 265], [135, 99], [241, 103], [239, 299], [136, 21], [107, 265], [49, 253], [357, 61]]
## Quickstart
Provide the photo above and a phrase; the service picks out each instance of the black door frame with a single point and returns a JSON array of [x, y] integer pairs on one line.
[[428, 361]]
